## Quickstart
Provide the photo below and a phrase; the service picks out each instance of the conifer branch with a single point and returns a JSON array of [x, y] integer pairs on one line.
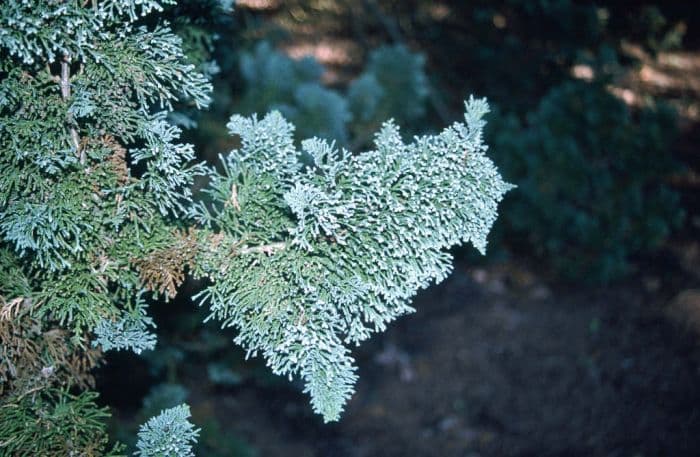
[[362, 234], [355, 235]]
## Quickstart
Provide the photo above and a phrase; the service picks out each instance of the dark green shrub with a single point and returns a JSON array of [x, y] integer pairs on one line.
[[591, 176]]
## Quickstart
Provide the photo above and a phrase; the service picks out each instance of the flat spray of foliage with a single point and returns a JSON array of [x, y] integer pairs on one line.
[[308, 259], [306, 251], [169, 433]]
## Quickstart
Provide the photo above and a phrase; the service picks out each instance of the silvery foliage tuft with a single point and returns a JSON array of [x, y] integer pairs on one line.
[[131, 331], [351, 239], [168, 434]]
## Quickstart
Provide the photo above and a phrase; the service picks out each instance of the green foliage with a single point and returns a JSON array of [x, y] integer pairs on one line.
[[47, 29], [275, 81], [130, 331], [308, 251], [198, 23], [310, 259], [170, 434], [91, 172], [54, 422], [73, 208], [163, 396], [393, 85], [591, 176]]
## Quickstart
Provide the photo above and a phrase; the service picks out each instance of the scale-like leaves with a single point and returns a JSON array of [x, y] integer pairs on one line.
[[358, 236]]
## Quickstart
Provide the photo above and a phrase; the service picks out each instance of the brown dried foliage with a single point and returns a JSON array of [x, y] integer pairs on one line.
[[116, 160], [163, 270], [33, 357], [118, 157]]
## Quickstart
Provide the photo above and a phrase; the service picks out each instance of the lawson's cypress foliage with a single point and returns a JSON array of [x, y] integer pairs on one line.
[[130, 331], [306, 260], [92, 174], [307, 251], [55, 423], [83, 100], [169, 434]]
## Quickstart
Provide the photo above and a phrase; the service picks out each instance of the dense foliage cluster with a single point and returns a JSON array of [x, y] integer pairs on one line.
[[593, 180], [91, 173], [306, 250], [331, 258], [55, 422], [168, 434]]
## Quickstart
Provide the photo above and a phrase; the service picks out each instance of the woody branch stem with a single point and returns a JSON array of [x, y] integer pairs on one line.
[[65, 94], [265, 248]]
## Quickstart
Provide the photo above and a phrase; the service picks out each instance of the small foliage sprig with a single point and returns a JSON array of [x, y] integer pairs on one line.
[[168, 434]]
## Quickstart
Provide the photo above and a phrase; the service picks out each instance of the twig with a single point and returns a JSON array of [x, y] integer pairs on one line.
[[263, 249], [65, 77], [233, 200], [65, 94], [10, 309]]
